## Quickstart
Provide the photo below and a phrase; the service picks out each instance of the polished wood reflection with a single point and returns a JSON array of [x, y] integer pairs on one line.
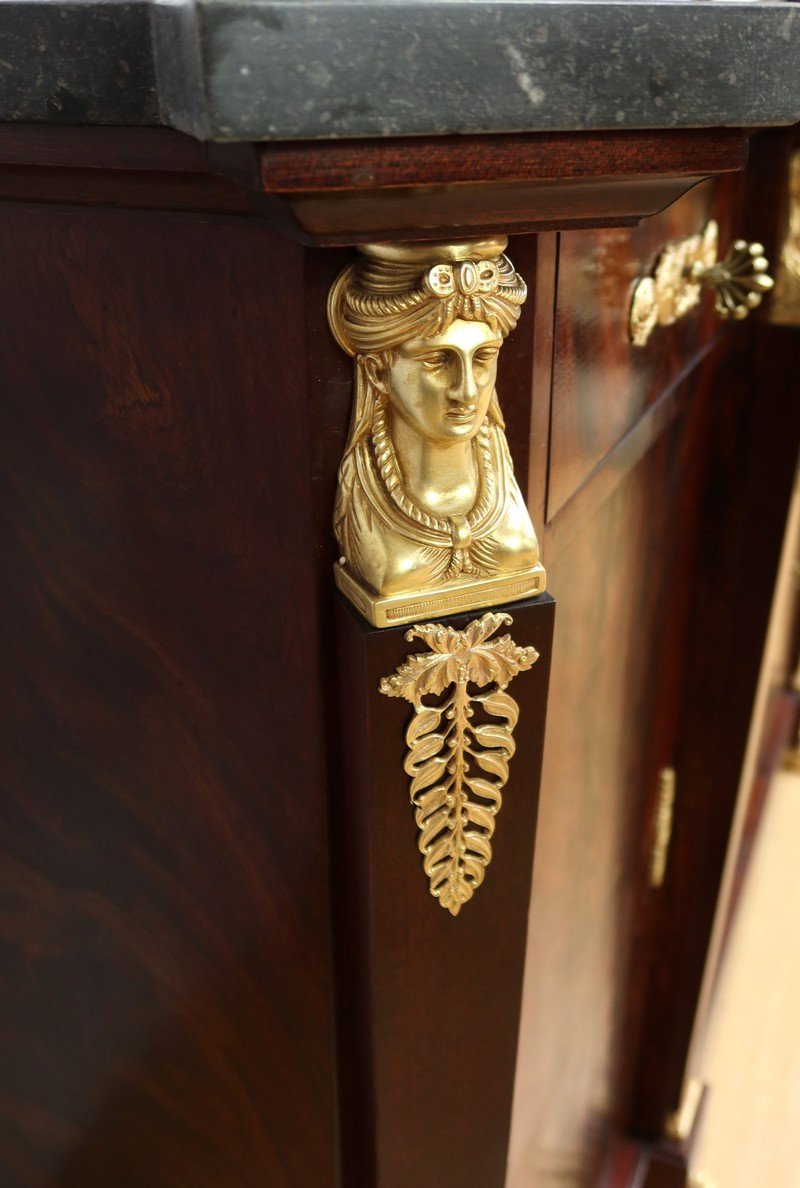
[[192, 999], [165, 976], [601, 383]]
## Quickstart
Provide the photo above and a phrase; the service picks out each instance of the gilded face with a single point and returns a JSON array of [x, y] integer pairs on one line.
[[441, 387]]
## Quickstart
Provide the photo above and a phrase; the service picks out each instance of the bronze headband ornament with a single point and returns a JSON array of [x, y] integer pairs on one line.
[[377, 303], [470, 278]]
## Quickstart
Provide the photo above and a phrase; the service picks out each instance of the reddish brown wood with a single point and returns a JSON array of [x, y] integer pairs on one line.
[[432, 1012], [624, 575], [752, 453], [624, 569], [666, 1163], [542, 345], [625, 1165], [166, 984], [602, 384], [515, 365], [87, 147], [604, 479], [315, 166], [779, 733], [137, 189], [478, 209], [344, 191], [666, 1169], [167, 950], [751, 457], [146, 168], [670, 1158]]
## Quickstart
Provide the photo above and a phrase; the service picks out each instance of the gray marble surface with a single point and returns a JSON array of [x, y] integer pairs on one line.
[[295, 69], [79, 62]]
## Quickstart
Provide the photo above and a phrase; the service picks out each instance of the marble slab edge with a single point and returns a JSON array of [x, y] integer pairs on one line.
[[302, 69]]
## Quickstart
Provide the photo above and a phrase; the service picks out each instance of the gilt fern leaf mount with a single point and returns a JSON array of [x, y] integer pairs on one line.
[[459, 746]]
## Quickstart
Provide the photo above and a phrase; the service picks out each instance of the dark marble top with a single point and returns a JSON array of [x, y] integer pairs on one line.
[[295, 69]]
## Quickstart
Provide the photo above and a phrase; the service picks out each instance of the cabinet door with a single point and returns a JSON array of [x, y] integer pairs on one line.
[[663, 461]]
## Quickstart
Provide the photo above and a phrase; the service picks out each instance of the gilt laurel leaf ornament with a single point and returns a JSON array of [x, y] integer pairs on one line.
[[459, 749]]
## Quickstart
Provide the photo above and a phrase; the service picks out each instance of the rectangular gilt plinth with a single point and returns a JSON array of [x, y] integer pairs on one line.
[[430, 998], [391, 610]]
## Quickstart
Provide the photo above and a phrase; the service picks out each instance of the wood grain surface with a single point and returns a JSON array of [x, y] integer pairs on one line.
[[293, 167], [602, 384], [751, 457], [430, 1001], [476, 209], [190, 1000], [625, 579], [165, 954], [655, 662], [349, 191], [344, 192]]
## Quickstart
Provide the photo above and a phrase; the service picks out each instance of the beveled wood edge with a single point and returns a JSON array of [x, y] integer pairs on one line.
[[345, 192], [603, 480], [331, 193], [541, 398], [364, 165]]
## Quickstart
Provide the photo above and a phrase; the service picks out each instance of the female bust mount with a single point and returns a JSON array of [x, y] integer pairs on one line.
[[429, 517]]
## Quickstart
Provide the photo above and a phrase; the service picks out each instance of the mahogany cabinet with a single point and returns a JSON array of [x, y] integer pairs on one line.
[[220, 966]]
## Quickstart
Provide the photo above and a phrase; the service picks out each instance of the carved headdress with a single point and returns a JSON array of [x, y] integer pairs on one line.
[[396, 292]]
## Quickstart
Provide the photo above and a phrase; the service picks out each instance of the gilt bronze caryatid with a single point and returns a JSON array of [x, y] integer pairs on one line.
[[429, 516]]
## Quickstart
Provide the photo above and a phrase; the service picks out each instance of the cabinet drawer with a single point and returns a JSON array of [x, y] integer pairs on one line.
[[602, 384]]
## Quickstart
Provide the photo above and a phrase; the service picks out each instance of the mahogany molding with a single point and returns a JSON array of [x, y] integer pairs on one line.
[[343, 192], [100, 147], [325, 165]]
